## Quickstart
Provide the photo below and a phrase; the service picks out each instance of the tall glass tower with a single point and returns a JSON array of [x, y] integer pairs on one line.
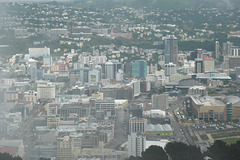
[[171, 49], [139, 68]]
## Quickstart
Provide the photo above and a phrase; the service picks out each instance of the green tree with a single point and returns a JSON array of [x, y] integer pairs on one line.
[[218, 151], [154, 153], [181, 151], [234, 151], [134, 158], [44, 158], [7, 156]]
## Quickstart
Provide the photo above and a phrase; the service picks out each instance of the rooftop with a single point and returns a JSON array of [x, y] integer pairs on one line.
[[159, 128], [208, 58]]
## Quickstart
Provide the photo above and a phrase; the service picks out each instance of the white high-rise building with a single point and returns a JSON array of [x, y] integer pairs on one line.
[[119, 75], [235, 51], [135, 84], [136, 144], [38, 52]]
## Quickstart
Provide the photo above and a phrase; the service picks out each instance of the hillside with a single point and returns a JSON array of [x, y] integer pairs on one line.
[[162, 4]]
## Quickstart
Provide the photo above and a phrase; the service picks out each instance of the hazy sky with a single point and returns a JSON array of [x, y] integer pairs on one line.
[[33, 0]]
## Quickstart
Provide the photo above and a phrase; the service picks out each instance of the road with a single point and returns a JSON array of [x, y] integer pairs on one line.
[[120, 131], [178, 131], [28, 137]]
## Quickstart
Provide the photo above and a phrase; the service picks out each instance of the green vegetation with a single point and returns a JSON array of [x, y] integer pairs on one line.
[[175, 150], [180, 151], [6, 156], [192, 45], [230, 141], [225, 134], [162, 4], [221, 151]]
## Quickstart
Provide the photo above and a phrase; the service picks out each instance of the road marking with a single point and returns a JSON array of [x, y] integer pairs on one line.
[[210, 137]]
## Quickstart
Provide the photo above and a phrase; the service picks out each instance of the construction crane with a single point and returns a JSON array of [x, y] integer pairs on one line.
[[224, 58]]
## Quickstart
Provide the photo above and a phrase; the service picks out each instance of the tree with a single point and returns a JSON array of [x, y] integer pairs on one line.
[[218, 151], [7, 156], [181, 151], [134, 158], [44, 158], [154, 153], [234, 151]]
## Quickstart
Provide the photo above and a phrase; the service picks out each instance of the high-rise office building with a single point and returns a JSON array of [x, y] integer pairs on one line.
[[199, 52], [137, 125], [119, 75], [128, 69], [139, 68], [116, 66], [217, 49], [109, 70], [227, 48], [94, 75], [136, 144], [198, 66], [171, 49], [84, 73], [208, 64], [170, 69]]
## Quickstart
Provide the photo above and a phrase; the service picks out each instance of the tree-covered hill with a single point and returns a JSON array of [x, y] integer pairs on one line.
[[162, 4]]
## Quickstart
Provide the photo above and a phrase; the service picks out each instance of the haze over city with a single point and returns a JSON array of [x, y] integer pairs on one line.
[[119, 80]]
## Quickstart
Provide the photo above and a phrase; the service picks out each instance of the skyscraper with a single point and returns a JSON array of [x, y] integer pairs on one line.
[[217, 49], [171, 49], [136, 144], [109, 70], [227, 48], [137, 125], [116, 66], [84, 75], [139, 68], [198, 66]]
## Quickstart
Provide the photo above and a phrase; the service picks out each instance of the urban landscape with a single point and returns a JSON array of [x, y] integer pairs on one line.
[[98, 80]]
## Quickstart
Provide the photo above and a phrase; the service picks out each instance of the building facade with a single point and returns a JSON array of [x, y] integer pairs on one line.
[[136, 144], [46, 91], [139, 68], [171, 49], [137, 125]]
